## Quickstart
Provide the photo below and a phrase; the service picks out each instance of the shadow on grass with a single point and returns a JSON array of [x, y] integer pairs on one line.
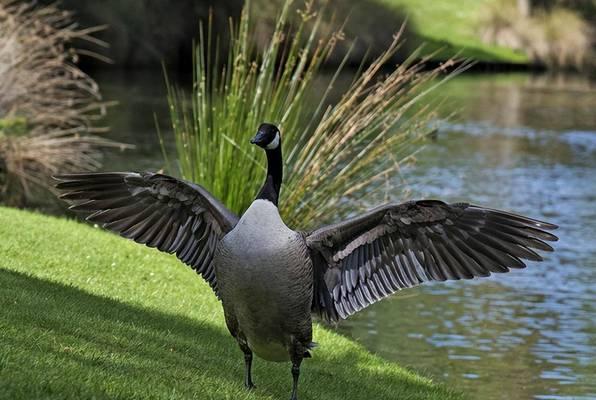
[[57, 341]]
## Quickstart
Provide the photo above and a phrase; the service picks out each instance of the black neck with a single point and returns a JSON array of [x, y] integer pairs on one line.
[[270, 189]]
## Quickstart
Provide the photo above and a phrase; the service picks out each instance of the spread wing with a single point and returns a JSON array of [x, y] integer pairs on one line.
[[364, 259], [156, 210]]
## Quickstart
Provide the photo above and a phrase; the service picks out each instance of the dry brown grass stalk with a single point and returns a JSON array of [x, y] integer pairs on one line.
[[31, 159], [41, 85], [362, 141]]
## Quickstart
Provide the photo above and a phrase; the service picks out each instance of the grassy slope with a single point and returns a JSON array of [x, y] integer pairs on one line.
[[452, 26], [86, 314]]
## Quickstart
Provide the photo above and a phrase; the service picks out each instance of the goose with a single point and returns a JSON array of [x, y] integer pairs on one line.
[[271, 279]]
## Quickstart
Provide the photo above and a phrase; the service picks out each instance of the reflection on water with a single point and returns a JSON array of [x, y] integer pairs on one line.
[[141, 97], [521, 143], [527, 145]]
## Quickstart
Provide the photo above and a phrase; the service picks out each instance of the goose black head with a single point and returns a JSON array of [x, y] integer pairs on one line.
[[267, 137]]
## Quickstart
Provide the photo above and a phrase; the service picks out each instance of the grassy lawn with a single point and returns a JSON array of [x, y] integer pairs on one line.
[[86, 314], [453, 26]]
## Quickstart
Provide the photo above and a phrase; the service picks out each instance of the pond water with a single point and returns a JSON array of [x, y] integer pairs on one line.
[[519, 142]]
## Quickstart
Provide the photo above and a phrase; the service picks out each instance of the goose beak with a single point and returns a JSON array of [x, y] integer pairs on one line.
[[259, 139]]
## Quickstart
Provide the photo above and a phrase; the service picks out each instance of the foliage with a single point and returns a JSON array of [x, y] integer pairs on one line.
[[569, 38], [16, 126], [101, 317], [587, 8], [48, 106], [332, 151], [449, 27], [557, 37]]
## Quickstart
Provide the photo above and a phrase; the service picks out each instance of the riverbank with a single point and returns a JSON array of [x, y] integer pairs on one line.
[[87, 314], [452, 28], [145, 34]]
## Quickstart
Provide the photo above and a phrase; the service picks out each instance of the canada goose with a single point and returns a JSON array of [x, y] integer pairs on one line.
[[270, 279]]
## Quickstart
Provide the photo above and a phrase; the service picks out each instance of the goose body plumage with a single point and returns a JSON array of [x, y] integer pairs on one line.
[[258, 264], [270, 278]]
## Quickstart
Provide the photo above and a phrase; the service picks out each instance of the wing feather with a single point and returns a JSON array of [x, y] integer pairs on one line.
[[157, 210], [396, 246]]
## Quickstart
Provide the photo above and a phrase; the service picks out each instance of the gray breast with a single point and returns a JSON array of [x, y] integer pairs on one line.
[[264, 277]]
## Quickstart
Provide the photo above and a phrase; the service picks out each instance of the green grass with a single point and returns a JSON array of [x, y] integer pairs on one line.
[[86, 314], [453, 26]]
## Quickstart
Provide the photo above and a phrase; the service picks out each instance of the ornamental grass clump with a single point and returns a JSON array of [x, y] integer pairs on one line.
[[332, 150], [48, 106], [556, 37]]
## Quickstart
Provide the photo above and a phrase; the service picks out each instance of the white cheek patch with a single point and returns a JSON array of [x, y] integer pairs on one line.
[[274, 143]]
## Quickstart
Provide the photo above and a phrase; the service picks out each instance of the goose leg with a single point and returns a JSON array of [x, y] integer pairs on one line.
[[232, 324], [247, 371], [295, 375], [247, 367]]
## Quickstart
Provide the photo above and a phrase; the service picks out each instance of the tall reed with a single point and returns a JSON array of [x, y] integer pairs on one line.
[[332, 150]]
